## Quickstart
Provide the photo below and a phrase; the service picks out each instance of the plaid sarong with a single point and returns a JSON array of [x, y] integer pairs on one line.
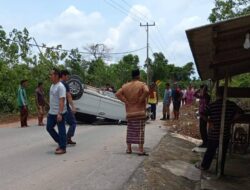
[[135, 131]]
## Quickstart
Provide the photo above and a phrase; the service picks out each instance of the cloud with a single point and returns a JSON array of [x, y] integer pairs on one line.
[[178, 49], [72, 28], [128, 35], [168, 36], [185, 24]]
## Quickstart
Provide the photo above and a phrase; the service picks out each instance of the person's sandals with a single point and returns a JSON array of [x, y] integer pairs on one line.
[[143, 154], [129, 151]]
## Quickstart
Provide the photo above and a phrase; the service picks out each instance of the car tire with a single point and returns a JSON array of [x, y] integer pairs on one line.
[[76, 88], [76, 77]]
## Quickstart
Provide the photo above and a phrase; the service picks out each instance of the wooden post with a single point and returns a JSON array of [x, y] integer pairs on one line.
[[222, 125]]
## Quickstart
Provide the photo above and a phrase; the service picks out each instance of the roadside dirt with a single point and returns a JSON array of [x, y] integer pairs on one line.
[[13, 120], [153, 173], [188, 123]]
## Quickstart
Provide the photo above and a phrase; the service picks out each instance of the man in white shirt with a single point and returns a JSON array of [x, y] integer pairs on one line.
[[57, 112]]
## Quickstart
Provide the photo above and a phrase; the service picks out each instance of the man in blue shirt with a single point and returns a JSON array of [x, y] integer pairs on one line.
[[166, 102], [70, 117]]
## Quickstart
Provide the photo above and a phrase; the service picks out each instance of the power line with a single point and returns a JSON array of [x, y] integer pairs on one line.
[[146, 18], [151, 50], [129, 51], [158, 29], [156, 43], [81, 52], [116, 6]]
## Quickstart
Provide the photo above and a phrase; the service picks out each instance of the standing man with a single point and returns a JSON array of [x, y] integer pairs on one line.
[[70, 117], [57, 111], [212, 114], [23, 102], [134, 94], [204, 101], [176, 96], [166, 102], [40, 103]]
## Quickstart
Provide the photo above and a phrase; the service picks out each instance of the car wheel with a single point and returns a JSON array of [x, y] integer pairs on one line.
[[75, 77], [75, 87]]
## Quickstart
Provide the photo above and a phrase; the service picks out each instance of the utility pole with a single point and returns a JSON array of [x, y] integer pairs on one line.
[[147, 59]]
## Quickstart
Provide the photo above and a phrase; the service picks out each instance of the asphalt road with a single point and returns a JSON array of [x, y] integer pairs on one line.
[[98, 161]]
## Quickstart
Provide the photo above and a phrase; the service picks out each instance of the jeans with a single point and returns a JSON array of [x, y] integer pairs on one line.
[[59, 137], [71, 120], [153, 111]]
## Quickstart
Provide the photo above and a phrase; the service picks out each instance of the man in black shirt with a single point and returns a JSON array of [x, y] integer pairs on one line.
[[212, 114]]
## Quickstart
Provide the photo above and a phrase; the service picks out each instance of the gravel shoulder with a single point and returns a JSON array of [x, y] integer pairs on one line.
[[169, 166]]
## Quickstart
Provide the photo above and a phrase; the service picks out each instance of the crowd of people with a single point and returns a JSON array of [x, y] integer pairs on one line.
[[135, 95], [61, 108]]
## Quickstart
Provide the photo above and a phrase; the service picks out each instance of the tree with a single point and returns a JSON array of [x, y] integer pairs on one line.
[[98, 73], [122, 70], [159, 67], [77, 64], [98, 51], [226, 9]]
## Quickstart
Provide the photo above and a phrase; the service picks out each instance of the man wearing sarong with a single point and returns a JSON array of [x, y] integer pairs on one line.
[[134, 94]]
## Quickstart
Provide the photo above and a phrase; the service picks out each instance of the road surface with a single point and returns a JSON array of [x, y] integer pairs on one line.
[[98, 161]]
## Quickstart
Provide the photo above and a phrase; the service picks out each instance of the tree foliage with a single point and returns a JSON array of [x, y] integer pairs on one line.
[[226, 9], [19, 59]]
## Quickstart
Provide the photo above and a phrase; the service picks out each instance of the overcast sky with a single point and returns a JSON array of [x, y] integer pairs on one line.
[[115, 23]]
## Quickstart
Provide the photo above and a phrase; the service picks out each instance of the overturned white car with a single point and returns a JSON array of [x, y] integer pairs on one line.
[[91, 102]]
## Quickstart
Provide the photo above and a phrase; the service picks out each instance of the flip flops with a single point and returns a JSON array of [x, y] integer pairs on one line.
[[128, 152], [143, 154]]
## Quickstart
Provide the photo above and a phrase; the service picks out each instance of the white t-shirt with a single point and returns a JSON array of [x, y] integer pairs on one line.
[[56, 91]]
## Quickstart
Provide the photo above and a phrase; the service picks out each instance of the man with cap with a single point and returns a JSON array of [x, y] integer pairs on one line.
[[23, 102], [134, 94]]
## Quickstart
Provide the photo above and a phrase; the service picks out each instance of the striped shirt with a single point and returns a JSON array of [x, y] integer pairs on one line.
[[213, 111]]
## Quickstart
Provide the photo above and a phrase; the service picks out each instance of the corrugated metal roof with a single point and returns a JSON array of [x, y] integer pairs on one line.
[[218, 48]]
